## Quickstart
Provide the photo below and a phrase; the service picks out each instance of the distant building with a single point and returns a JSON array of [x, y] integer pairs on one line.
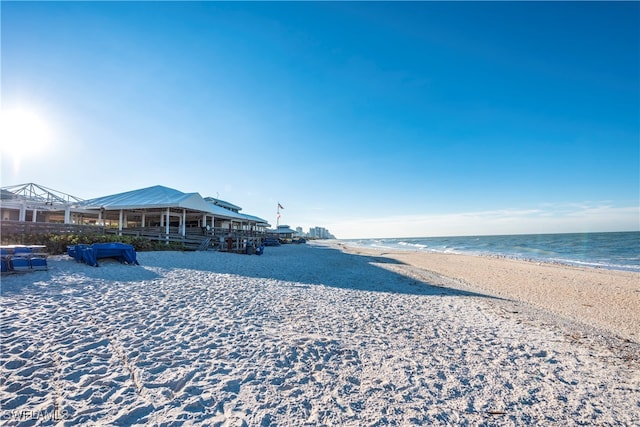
[[320, 233], [282, 232]]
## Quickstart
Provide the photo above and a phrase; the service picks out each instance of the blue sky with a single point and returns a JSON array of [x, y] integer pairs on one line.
[[370, 119]]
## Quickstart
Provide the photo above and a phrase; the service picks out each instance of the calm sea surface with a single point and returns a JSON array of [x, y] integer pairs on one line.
[[616, 251]]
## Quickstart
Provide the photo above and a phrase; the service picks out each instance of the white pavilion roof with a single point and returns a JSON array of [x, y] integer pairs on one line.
[[152, 197], [283, 229], [159, 196]]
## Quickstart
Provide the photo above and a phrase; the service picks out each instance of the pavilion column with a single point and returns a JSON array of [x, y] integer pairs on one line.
[[183, 228], [166, 224], [120, 223], [34, 215], [144, 216], [23, 211], [67, 214]]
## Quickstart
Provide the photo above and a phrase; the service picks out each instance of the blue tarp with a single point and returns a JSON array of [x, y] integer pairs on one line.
[[90, 254]]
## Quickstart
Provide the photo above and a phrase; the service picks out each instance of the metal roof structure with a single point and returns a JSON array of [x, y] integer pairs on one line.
[[38, 193], [282, 229], [159, 196], [223, 203]]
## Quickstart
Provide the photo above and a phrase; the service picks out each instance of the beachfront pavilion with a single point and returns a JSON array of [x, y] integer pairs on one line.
[[167, 210], [154, 212], [282, 232]]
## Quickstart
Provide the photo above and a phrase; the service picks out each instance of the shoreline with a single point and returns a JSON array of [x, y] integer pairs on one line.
[[430, 245], [602, 298]]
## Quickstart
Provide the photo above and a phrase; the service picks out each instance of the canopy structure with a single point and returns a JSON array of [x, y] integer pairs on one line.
[[36, 203], [38, 193]]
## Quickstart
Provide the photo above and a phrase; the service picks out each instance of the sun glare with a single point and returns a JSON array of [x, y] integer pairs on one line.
[[23, 133]]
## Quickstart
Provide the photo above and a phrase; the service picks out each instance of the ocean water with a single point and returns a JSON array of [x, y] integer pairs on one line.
[[615, 251]]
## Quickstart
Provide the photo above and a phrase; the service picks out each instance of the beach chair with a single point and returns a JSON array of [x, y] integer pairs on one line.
[[5, 255], [20, 259], [4, 265], [38, 257], [38, 262]]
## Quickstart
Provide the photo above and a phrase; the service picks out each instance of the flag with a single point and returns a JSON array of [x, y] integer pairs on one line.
[[280, 206]]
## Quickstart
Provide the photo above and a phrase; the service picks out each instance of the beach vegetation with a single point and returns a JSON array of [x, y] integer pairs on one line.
[[58, 243]]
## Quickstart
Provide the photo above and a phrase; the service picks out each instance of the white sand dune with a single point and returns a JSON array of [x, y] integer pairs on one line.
[[303, 335]]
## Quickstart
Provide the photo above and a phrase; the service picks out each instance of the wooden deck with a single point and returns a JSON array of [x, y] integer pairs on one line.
[[195, 238]]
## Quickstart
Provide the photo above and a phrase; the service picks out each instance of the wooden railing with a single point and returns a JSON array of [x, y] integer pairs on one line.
[[193, 240], [158, 234]]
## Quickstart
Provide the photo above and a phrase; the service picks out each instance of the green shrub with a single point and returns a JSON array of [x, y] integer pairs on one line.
[[58, 243]]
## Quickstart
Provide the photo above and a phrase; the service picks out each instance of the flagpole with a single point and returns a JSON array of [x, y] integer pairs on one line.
[[278, 219]]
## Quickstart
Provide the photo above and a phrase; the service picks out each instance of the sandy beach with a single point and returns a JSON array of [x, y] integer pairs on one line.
[[319, 335], [608, 299]]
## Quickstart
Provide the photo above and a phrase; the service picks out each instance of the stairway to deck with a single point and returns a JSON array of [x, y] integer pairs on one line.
[[204, 245]]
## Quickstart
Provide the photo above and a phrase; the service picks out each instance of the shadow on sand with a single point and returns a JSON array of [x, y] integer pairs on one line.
[[307, 265]]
